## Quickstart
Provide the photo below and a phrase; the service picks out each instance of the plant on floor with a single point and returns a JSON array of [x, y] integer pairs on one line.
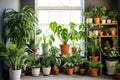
[[20, 25]]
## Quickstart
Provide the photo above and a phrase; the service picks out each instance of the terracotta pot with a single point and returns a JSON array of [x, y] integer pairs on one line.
[[94, 72], [82, 71], [101, 33], [94, 58], [107, 34], [117, 75], [113, 32], [97, 20], [74, 50], [64, 49], [56, 71], [70, 71]]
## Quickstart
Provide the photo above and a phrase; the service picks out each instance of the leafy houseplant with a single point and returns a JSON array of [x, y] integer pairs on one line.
[[98, 12], [113, 14], [20, 25], [88, 15], [93, 67], [111, 53], [16, 60], [46, 65], [63, 35], [35, 65], [54, 51], [94, 46], [47, 41]]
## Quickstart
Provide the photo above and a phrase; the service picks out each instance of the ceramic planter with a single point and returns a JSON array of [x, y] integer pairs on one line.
[[108, 20], [76, 69], [35, 71], [82, 71], [110, 68], [46, 70], [89, 20], [117, 76], [103, 21], [97, 20], [56, 71], [94, 58], [14, 74]]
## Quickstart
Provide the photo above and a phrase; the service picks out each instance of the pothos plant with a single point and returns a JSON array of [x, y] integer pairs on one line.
[[20, 25]]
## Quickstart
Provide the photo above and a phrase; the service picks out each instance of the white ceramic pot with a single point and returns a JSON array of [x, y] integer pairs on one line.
[[35, 71], [104, 21], [46, 70], [96, 32], [14, 74], [89, 20], [110, 67], [108, 20], [76, 69]]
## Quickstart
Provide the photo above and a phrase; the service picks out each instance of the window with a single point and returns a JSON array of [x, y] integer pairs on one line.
[[61, 11]]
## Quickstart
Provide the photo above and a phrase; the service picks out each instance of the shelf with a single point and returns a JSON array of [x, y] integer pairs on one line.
[[107, 24], [107, 36]]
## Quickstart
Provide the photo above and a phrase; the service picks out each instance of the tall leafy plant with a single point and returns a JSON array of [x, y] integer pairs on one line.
[[20, 25]]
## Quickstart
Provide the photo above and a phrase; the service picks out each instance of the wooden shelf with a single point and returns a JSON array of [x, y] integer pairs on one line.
[[108, 36], [107, 24]]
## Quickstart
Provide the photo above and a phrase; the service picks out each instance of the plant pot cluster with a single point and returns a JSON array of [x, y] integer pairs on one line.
[[101, 15]]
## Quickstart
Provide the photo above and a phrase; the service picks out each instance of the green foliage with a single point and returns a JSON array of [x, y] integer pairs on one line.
[[20, 25], [45, 61], [54, 51], [99, 11], [117, 67], [56, 62], [92, 64], [61, 31], [16, 59], [35, 62], [109, 51], [93, 44], [88, 14], [113, 14]]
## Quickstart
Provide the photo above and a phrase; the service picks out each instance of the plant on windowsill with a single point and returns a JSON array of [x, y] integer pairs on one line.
[[89, 16], [63, 35]]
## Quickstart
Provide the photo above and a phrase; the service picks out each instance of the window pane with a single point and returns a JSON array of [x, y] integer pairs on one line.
[[54, 15], [75, 2], [53, 2], [43, 17], [42, 2], [64, 17], [64, 3]]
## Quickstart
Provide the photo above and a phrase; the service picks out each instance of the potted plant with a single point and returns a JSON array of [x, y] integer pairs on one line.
[[117, 72], [35, 66], [74, 36], [98, 12], [113, 14], [113, 31], [94, 47], [69, 63], [88, 15], [20, 25], [63, 35], [54, 51], [82, 66], [111, 52], [46, 65], [16, 60], [76, 60], [93, 67], [57, 63], [107, 31], [104, 18]]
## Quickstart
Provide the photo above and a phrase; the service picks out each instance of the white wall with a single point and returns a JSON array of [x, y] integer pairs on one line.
[[14, 4]]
